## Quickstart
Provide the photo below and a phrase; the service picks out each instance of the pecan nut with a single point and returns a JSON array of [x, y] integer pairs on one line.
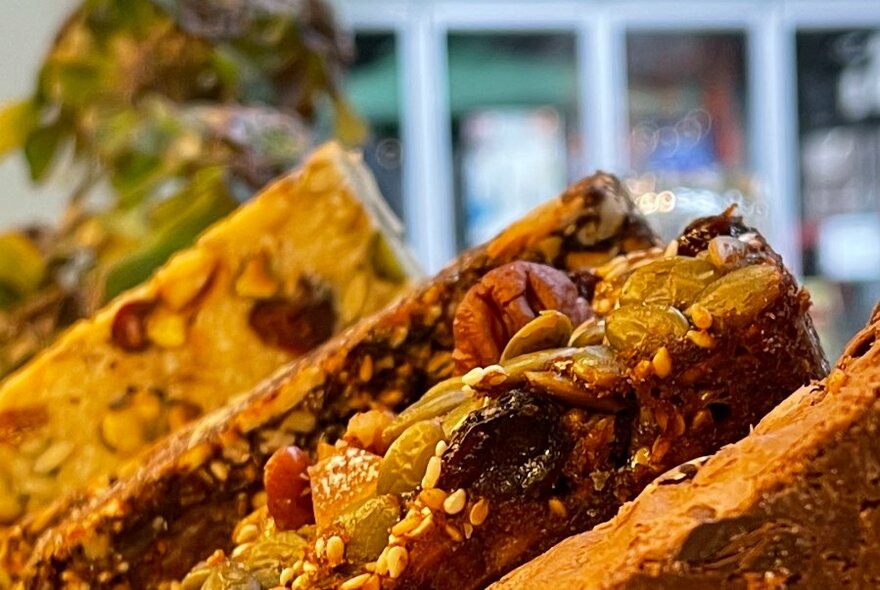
[[504, 300]]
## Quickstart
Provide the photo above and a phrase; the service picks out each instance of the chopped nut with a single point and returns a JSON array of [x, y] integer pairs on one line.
[[433, 498], [123, 431], [382, 562], [247, 533], [398, 559], [53, 457], [411, 521], [432, 473], [335, 550], [701, 339], [320, 547], [440, 448], [373, 583], [479, 512], [185, 277], [365, 372], [701, 316], [166, 328], [641, 456], [256, 280], [355, 583], [557, 507], [287, 574], [453, 533], [423, 528], [455, 502], [662, 362]]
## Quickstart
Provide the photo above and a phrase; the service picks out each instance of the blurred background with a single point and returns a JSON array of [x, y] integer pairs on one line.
[[477, 110]]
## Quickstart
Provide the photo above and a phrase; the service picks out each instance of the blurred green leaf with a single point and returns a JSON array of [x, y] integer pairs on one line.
[[201, 203], [22, 268], [40, 149], [17, 120]]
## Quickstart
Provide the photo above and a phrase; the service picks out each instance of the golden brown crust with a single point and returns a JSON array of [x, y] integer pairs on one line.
[[792, 505], [155, 523]]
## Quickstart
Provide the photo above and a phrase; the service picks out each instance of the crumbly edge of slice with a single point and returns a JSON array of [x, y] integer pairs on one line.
[[793, 504]]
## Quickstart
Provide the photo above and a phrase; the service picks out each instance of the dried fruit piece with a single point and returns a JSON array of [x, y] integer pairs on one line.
[[296, 325], [357, 468], [737, 298], [644, 327], [129, 329], [367, 525], [551, 329], [512, 448], [287, 487], [672, 281], [404, 464]]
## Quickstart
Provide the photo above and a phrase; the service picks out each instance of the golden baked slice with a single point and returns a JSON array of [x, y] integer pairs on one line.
[[190, 491], [308, 256]]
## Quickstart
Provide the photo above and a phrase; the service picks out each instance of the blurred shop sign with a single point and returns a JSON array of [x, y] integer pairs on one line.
[[848, 245]]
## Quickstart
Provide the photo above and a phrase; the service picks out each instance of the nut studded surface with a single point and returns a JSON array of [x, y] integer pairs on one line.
[[161, 518]]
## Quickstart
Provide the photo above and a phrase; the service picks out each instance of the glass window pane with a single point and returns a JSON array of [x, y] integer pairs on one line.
[[373, 87], [839, 132], [688, 116], [513, 101]]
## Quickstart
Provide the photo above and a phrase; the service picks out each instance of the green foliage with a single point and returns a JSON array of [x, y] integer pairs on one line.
[[170, 111]]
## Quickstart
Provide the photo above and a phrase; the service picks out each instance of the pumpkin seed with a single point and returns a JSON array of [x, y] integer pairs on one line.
[[738, 297], [589, 333], [566, 390], [644, 327], [672, 281], [404, 464], [454, 418], [551, 329], [436, 402]]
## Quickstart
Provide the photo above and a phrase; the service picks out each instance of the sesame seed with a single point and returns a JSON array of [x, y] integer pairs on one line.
[[422, 528], [411, 521], [238, 551], [220, 470], [432, 473], [433, 498], [301, 581], [287, 574], [248, 532], [557, 507], [382, 562], [701, 316], [468, 530], [309, 567], [215, 558], [335, 550], [355, 582], [373, 583], [453, 533], [455, 502], [398, 559], [479, 512], [701, 339], [662, 362], [320, 547], [440, 448], [671, 248]]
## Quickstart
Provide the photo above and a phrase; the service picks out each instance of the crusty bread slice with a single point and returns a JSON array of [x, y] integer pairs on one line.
[[795, 504], [308, 256]]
